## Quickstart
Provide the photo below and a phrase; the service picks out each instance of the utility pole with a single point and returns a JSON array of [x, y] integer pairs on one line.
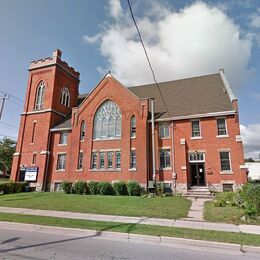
[[2, 104]]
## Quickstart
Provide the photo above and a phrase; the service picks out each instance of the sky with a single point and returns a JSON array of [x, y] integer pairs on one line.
[[183, 39]]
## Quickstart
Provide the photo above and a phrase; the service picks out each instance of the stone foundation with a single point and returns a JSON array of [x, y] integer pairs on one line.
[[38, 186], [180, 188]]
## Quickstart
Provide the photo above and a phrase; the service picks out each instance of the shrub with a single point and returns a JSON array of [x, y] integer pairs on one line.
[[105, 188], [251, 196], [93, 187], [12, 187], [80, 187], [120, 188], [223, 199], [133, 188], [66, 186], [160, 188]]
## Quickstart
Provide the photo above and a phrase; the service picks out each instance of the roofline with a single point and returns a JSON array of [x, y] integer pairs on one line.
[[231, 95], [60, 129], [213, 114]]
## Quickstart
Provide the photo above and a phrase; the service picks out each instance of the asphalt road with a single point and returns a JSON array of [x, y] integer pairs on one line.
[[36, 245]]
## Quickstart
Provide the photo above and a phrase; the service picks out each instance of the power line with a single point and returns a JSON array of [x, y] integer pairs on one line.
[[10, 125], [147, 57], [14, 102], [11, 95]]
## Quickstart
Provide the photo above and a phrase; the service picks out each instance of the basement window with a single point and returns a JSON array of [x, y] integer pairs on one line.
[[227, 187]]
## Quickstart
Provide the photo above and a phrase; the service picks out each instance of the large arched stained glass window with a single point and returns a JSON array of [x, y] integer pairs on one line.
[[108, 121], [39, 96]]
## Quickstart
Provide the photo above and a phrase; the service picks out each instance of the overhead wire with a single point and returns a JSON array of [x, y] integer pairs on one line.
[[147, 57]]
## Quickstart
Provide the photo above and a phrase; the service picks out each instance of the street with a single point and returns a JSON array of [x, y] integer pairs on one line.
[[36, 245]]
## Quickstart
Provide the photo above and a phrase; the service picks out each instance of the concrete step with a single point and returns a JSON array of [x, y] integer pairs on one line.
[[204, 196]]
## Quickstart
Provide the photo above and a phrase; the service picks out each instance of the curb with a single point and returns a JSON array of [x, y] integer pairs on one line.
[[130, 238]]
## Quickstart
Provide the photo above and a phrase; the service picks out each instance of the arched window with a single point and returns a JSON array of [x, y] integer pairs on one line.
[[82, 130], [164, 131], [108, 121], [65, 97], [133, 127], [39, 96]]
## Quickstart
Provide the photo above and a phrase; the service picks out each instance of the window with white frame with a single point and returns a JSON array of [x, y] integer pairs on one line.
[[165, 158], [82, 130], [80, 160], [225, 161], [61, 161], [94, 160], [63, 137], [197, 157], [195, 128], [164, 130], [222, 127], [110, 159], [39, 96], [118, 160], [102, 160], [133, 127], [133, 159], [65, 97], [107, 121]]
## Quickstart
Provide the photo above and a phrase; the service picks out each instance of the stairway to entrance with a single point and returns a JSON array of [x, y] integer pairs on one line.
[[199, 192]]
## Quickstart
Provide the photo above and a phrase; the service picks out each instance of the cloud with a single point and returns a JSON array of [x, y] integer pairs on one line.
[[251, 140], [198, 39], [115, 8]]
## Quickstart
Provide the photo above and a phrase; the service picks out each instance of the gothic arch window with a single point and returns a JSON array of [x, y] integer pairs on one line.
[[108, 121], [65, 97], [82, 130], [39, 96], [133, 126]]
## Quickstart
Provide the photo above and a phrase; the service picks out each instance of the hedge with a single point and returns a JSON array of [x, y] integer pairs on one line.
[[93, 187], [66, 186], [120, 188], [105, 188], [12, 187], [133, 188], [80, 187]]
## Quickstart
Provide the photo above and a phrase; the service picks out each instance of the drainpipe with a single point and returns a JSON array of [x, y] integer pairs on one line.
[[46, 171], [153, 141]]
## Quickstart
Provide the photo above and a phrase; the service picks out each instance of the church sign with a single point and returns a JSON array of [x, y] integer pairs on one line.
[[31, 173]]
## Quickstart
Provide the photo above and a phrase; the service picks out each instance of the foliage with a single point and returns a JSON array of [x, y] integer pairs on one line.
[[12, 187], [105, 188], [80, 187], [7, 149], [120, 188], [93, 187], [66, 186], [133, 188], [160, 188], [223, 199]]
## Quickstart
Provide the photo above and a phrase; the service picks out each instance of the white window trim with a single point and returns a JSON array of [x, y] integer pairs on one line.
[[222, 136], [160, 125], [167, 167], [230, 162], [196, 137]]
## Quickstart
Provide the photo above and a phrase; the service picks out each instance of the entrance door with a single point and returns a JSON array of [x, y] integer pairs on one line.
[[197, 174], [22, 175]]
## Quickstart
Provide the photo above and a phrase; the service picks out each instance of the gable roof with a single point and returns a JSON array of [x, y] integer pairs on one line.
[[183, 98], [187, 97]]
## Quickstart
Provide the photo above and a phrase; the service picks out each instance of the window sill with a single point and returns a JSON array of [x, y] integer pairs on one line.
[[132, 170], [81, 141], [222, 136], [79, 170], [105, 170], [196, 138], [31, 143], [226, 172], [61, 170], [107, 139], [164, 138], [133, 137], [166, 168], [62, 144]]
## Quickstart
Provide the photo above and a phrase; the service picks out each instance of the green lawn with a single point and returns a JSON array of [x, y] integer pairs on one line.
[[165, 207], [227, 214], [226, 237]]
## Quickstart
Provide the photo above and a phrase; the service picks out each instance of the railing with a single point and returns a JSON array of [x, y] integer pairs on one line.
[[212, 189]]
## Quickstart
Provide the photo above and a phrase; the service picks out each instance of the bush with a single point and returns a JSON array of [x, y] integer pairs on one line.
[[160, 188], [251, 196], [133, 188], [223, 199], [105, 188], [120, 188], [93, 187], [80, 187], [66, 186], [12, 187]]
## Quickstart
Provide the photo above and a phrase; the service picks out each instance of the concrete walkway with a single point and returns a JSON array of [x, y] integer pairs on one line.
[[196, 210], [250, 229]]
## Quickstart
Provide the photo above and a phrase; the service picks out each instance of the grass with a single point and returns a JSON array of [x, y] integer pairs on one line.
[[165, 207], [3, 180], [225, 237], [227, 214]]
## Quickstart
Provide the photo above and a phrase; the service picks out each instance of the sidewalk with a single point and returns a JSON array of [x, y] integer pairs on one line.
[[250, 229]]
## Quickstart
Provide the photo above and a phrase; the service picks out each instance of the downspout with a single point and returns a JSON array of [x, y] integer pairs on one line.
[[45, 178], [153, 141], [174, 176]]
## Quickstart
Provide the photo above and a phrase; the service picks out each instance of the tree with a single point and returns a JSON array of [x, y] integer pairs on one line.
[[250, 159], [7, 149]]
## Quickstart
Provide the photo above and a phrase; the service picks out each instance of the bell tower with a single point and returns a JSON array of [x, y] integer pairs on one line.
[[52, 91]]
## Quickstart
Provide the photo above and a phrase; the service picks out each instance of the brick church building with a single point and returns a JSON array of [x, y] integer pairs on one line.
[[106, 135]]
